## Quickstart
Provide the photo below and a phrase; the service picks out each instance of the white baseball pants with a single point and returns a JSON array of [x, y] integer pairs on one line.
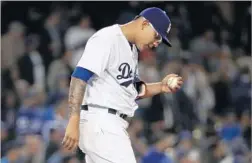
[[103, 137]]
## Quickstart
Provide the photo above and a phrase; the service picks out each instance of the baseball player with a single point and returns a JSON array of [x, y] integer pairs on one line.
[[105, 85]]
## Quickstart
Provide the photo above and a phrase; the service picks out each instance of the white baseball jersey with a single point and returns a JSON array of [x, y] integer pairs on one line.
[[109, 55]]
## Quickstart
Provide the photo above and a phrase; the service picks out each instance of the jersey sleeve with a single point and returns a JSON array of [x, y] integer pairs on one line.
[[96, 55], [138, 83]]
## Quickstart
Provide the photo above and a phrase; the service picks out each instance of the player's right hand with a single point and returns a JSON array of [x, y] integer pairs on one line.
[[71, 138]]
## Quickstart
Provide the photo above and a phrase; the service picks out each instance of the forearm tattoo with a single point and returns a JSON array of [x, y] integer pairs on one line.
[[76, 94]]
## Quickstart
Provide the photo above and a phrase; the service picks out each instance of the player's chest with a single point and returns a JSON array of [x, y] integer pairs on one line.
[[124, 66]]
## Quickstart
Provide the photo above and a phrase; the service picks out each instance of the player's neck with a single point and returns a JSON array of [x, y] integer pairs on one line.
[[129, 31]]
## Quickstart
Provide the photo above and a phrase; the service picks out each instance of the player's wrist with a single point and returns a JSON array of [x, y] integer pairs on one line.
[[74, 118], [161, 87]]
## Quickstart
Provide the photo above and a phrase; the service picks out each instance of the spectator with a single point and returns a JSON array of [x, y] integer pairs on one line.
[[202, 47], [225, 41], [239, 150], [21, 87], [4, 138], [164, 55], [230, 129], [243, 61], [157, 154], [60, 90], [220, 84], [70, 159], [176, 47], [59, 156], [77, 36], [31, 115], [58, 118], [9, 109], [185, 150], [184, 26], [246, 124], [51, 38], [13, 154], [13, 45], [139, 143], [59, 67], [54, 143], [221, 154], [31, 66], [157, 130], [241, 91], [198, 89], [33, 150]]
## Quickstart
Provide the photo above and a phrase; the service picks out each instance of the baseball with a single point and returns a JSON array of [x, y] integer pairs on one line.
[[172, 82]]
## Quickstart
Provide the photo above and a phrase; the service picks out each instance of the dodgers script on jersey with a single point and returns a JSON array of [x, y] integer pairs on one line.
[[114, 61]]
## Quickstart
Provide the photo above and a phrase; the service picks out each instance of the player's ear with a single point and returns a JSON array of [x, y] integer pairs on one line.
[[145, 23]]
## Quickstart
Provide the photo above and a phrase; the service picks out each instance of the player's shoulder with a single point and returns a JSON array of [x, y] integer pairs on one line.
[[107, 34]]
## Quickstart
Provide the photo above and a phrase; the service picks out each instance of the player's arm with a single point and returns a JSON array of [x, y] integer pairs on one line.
[[76, 93], [77, 88], [78, 83], [93, 61], [152, 89]]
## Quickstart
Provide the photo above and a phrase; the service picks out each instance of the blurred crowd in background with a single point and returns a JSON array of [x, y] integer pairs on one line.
[[208, 120]]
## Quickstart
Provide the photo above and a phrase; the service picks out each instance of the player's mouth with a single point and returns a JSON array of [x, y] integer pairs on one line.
[[149, 47]]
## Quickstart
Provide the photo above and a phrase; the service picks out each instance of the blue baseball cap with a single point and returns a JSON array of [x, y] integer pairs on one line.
[[159, 20]]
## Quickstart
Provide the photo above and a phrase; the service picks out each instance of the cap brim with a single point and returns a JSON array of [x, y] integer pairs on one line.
[[166, 41]]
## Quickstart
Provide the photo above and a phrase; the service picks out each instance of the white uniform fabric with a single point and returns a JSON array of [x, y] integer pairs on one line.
[[109, 55], [103, 136]]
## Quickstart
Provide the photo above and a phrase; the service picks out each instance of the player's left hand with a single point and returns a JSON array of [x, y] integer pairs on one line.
[[167, 87]]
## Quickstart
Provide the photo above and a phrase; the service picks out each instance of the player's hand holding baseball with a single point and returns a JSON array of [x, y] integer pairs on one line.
[[171, 83], [71, 138]]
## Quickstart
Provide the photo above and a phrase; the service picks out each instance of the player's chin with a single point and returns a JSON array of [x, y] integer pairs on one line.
[[145, 47]]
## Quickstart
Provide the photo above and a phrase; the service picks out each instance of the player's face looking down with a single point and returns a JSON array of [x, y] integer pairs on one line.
[[148, 36]]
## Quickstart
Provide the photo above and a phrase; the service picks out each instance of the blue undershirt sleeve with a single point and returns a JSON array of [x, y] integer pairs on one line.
[[82, 73]]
